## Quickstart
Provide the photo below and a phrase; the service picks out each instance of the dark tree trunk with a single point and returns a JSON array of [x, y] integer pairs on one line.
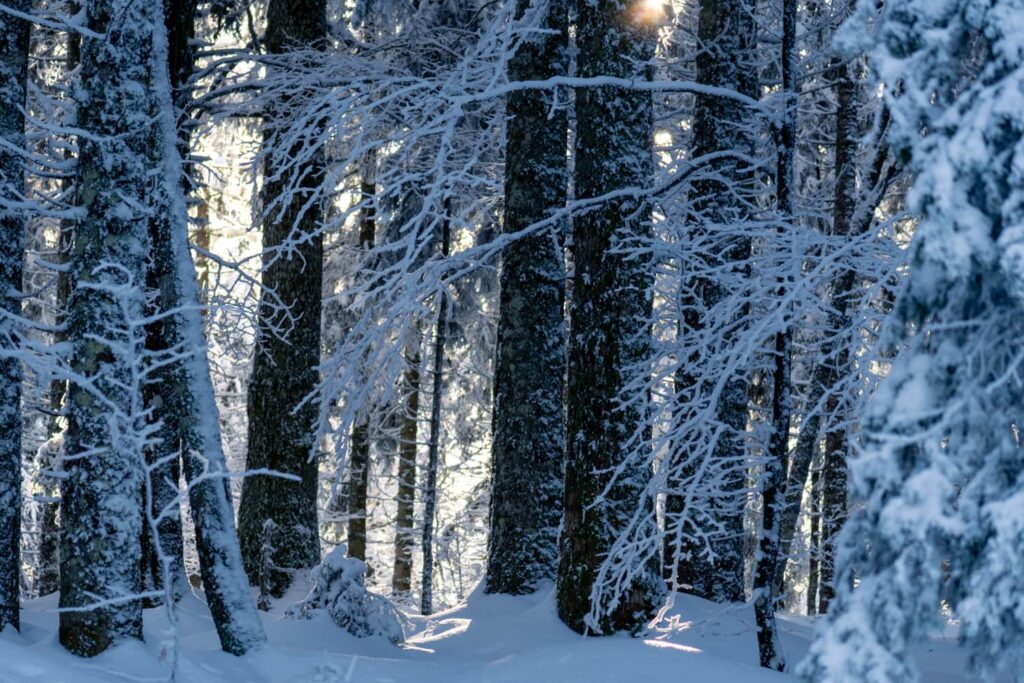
[[727, 31], [529, 416], [434, 445], [814, 543], [285, 370], [401, 579], [358, 464], [14, 46], [359, 459], [609, 338], [834, 487], [772, 490]]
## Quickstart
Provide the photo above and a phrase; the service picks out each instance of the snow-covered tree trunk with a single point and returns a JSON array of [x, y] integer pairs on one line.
[[14, 46], [726, 32], [103, 462], [773, 477], [281, 437], [401, 578], [609, 336], [528, 424], [161, 333], [185, 389]]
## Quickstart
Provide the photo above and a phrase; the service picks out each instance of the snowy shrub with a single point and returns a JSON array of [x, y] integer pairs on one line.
[[339, 589]]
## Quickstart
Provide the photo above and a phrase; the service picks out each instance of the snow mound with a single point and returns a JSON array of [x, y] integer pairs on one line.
[[339, 589]]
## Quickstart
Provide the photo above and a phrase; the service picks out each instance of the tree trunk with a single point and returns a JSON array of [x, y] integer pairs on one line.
[[433, 451], [285, 370], [727, 31], [772, 491], [814, 543], [610, 336], [101, 494], [528, 425], [14, 47], [187, 401], [359, 449], [401, 579], [833, 513], [163, 456]]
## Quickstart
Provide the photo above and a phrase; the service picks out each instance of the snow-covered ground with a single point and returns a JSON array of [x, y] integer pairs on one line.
[[490, 639]]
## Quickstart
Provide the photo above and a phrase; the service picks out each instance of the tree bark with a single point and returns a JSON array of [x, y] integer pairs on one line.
[[610, 312], [101, 494], [528, 424], [281, 438], [401, 578], [14, 47]]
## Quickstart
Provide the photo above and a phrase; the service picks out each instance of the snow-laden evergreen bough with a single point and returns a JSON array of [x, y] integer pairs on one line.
[[941, 469]]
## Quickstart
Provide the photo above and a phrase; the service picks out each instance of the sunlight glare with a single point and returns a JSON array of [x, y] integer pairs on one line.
[[648, 12]]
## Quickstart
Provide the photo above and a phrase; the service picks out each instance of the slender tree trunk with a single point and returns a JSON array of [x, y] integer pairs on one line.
[[359, 460], [836, 443], [772, 491], [727, 33], [101, 494], [814, 544], [281, 438], [610, 337], [528, 425], [163, 456], [433, 451], [401, 578], [14, 47]]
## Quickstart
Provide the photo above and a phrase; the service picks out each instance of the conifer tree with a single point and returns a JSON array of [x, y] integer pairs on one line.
[[611, 303], [940, 474]]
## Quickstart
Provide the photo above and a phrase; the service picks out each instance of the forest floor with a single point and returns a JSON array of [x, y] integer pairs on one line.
[[489, 639]]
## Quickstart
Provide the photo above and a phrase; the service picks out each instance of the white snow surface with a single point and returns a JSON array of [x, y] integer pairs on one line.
[[488, 639]]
